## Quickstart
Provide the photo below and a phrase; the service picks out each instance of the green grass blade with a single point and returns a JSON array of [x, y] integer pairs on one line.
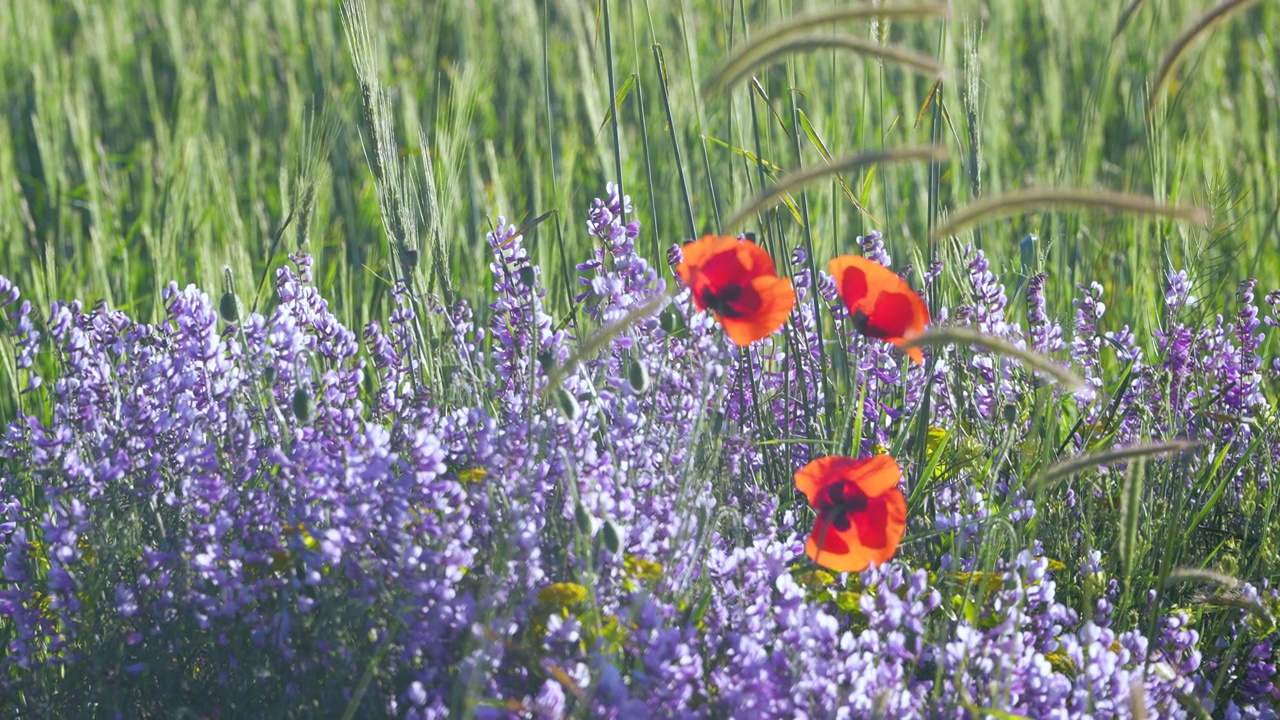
[[1174, 54], [1131, 517], [1081, 463], [808, 176], [755, 55], [1036, 199], [948, 335]]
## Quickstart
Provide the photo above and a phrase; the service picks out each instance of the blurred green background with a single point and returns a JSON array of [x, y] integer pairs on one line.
[[144, 141]]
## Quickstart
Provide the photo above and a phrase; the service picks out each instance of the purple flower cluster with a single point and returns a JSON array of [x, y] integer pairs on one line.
[[530, 518], [18, 323], [254, 497]]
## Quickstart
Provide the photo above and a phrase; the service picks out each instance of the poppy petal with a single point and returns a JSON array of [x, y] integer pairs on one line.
[[891, 317], [718, 252], [874, 515], [851, 273], [899, 317], [894, 312], [728, 267], [697, 253], [914, 352], [815, 476], [755, 260], [736, 280], [873, 536], [835, 550], [875, 475], [870, 523], [881, 527], [724, 259], [776, 300]]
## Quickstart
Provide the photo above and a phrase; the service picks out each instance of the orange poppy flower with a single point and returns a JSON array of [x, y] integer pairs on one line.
[[862, 514], [735, 280], [881, 304]]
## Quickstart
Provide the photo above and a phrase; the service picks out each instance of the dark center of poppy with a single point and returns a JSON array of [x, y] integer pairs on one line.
[[720, 302], [859, 321], [862, 323], [838, 502]]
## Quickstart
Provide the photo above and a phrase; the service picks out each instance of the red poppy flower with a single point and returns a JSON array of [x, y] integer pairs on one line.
[[882, 304], [735, 280], [862, 514]]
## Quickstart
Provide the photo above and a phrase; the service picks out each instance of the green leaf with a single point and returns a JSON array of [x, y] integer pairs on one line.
[[1130, 515], [617, 101], [807, 127], [770, 168]]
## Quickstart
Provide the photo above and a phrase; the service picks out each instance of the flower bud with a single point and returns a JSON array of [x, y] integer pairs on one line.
[[1009, 413], [671, 321], [304, 406], [611, 537], [568, 404], [583, 520], [637, 375], [229, 307]]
